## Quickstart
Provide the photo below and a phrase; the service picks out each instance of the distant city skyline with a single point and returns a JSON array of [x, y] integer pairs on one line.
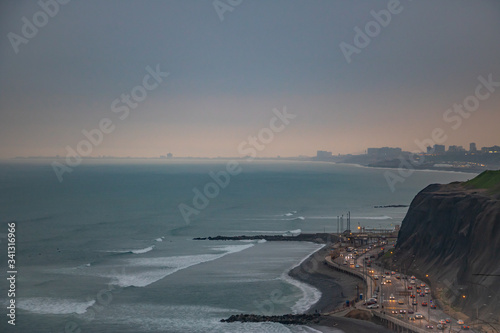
[[157, 77]]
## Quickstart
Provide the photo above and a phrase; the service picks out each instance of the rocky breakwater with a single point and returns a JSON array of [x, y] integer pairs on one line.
[[287, 319], [321, 238], [450, 238]]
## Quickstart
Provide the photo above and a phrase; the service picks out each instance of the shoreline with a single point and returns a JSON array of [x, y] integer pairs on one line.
[[450, 170], [335, 287]]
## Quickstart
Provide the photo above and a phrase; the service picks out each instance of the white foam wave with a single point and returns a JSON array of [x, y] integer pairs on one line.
[[145, 271], [310, 294], [46, 305], [293, 212], [134, 251], [253, 241], [159, 239], [293, 233], [140, 251], [299, 218]]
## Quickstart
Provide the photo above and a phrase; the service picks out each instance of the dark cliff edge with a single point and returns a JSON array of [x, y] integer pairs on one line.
[[450, 237]]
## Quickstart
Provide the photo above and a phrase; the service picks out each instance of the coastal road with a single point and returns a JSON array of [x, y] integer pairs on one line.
[[394, 295]]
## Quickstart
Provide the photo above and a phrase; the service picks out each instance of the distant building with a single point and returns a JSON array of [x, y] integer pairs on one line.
[[169, 155], [384, 152], [491, 150], [323, 155], [439, 149], [472, 147], [430, 150], [456, 149]]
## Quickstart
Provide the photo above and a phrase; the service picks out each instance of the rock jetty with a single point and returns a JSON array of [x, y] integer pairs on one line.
[[320, 238], [287, 319]]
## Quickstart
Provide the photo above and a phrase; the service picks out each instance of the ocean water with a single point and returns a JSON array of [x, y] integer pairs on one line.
[[107, 250]]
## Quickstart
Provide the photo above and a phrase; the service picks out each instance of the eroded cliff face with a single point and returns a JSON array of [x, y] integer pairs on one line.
[[452, 234]]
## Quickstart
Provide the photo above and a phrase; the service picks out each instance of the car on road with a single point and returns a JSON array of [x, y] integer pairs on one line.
[[460, 322], [414, 302], [398, 277], [401, 301], [410, 311], [394, 311], [375, 277], [422, 295], [419, 316], [402, 311], [373, 306], [388, 281], [433, 306], [429, 326], [392, 298], [410, 288], [357, 266], [412, 282], [442, 322], [424, 303], [440, 327], [465, 327], [412, 318], [412, 296], [448, 320], [413, 277]]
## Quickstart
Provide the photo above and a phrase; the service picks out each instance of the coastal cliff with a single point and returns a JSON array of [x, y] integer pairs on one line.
[[450, 237]]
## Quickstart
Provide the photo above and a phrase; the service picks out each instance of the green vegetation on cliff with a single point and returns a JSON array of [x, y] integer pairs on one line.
[[489, 180]]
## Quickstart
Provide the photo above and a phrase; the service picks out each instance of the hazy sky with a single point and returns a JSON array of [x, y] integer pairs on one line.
[[226, 76]]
